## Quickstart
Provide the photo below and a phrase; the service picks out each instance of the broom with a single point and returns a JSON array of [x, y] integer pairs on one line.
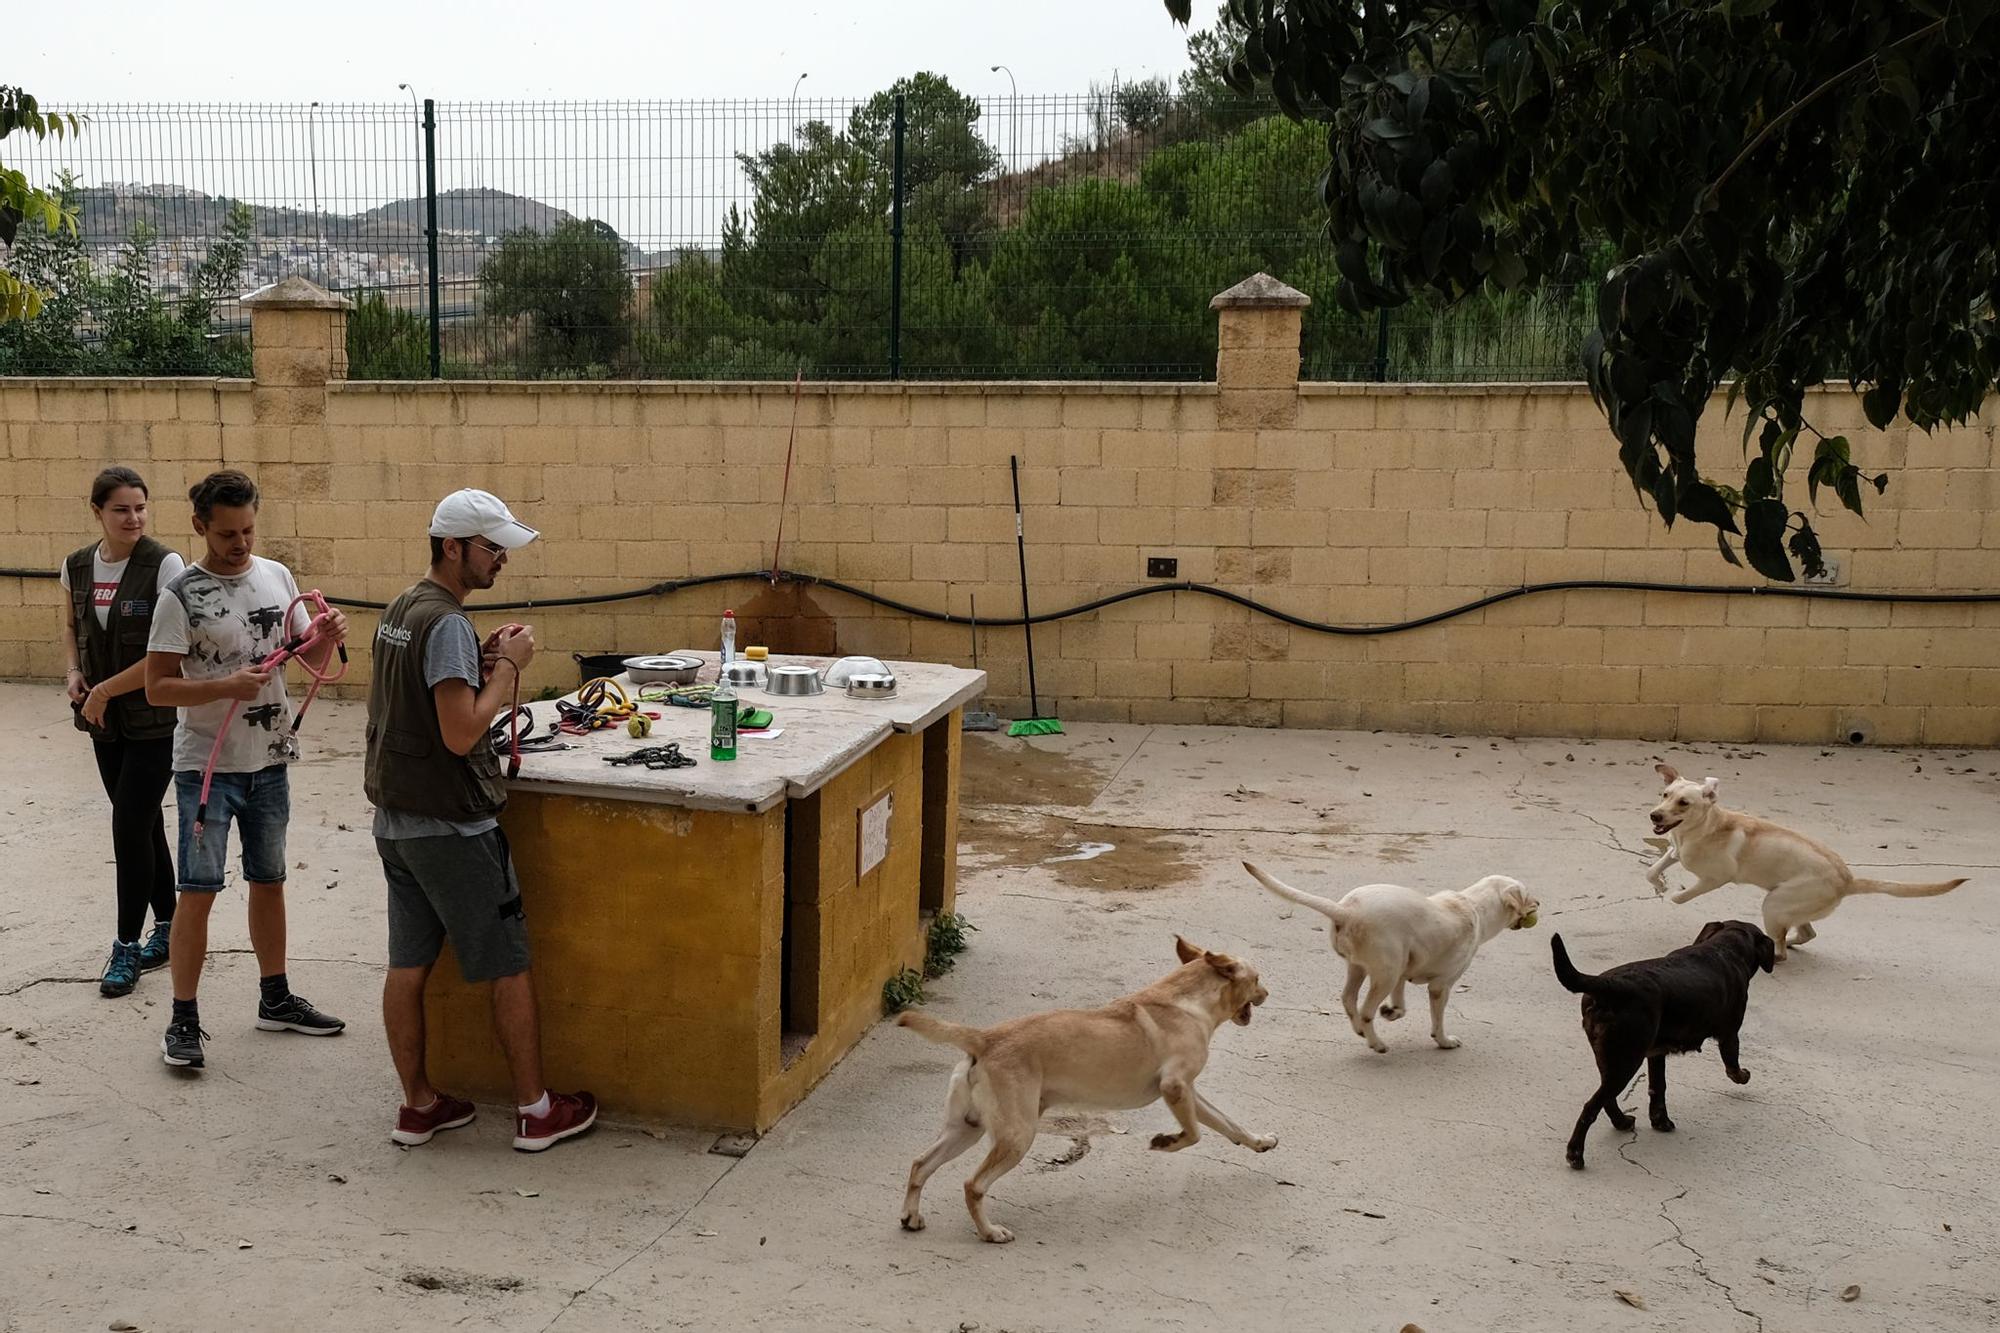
[[1035, 725], [978, 719]]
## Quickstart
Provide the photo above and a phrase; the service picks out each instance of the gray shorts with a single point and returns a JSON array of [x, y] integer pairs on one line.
[[457, 887]]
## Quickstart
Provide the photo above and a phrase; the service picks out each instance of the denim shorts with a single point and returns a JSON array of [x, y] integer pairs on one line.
[[259, 804]]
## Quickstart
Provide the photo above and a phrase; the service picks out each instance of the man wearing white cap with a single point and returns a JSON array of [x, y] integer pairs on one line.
[[434, 776]]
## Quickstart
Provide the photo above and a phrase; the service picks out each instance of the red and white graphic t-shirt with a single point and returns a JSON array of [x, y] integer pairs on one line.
[[105, 576]]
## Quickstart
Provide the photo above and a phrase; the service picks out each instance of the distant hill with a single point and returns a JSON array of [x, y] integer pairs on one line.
[[482, 212], [186, 221]]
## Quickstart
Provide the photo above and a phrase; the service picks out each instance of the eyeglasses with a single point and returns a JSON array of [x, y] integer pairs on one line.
[[497, 552]]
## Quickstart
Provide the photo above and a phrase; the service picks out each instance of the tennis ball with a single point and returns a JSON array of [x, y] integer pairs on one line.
[[639, 725]]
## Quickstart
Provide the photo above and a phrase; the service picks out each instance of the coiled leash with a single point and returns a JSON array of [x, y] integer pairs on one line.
[[286, 747], [516, 734], [601, 703], [514, 715], [680, 696]]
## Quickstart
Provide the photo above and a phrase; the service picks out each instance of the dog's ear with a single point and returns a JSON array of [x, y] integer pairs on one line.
[[1708, 788], [1710, 931], [1666, 772], [1187, 952], [1224, 964], [1767, 952]]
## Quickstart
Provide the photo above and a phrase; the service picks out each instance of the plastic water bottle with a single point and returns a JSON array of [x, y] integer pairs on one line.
[[722, 719], [728, 637]]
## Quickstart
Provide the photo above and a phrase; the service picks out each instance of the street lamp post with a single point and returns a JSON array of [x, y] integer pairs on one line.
[[1013, 121], [792, 116]]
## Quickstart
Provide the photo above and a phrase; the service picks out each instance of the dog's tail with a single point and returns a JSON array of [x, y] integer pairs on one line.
[[1326, 907], [1580, 983], [1896, 890], [970, 1040]]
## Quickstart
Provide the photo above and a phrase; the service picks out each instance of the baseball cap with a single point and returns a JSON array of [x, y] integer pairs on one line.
[[480, 514]]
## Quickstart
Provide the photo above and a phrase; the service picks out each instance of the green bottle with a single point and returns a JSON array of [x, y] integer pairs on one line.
[[722, 722]]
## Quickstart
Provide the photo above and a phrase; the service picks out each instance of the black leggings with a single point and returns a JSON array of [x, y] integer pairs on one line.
[[136, 774]]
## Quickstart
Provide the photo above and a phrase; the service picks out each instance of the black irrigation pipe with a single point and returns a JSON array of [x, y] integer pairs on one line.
[[667, 586]]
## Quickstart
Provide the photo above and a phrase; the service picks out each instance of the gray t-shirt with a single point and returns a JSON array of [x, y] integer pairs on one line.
[[450, 653]]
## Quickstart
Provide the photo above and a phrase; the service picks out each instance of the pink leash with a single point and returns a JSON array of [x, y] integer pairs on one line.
[[291, 648]]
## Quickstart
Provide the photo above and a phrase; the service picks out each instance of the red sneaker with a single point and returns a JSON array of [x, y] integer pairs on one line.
[[569, 1114], [447, 1112]]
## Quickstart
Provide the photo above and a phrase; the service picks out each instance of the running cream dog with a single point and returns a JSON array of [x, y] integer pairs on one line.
[[1147, 1047], [1803, 881], [1392, 935]]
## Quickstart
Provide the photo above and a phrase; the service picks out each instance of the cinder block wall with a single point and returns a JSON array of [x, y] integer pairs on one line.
[[1357, 504]]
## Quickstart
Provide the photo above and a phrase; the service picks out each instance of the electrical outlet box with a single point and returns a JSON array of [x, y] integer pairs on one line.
[[1162, 567], [1833, 576]]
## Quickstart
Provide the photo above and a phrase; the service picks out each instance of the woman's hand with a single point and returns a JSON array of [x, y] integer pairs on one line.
[[74, 686], [94, 704]]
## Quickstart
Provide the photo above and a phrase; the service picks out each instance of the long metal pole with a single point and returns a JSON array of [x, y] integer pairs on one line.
[[431, 230], [896, 249]]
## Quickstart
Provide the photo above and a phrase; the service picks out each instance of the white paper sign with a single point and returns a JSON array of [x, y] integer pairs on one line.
[[873, 845]]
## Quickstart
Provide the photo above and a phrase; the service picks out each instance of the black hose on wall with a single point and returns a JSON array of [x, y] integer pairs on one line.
[[667, 587]]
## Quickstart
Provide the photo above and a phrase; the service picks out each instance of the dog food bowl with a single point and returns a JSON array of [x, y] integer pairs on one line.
[[838, 674], [745, 673], [663, 670], [871, 685], [794, 680]]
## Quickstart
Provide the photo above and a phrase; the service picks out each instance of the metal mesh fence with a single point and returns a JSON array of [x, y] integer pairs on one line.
[[931, 235]]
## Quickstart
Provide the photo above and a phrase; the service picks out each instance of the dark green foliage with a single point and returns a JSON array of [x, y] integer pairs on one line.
[[386, 342], [1792, 193]]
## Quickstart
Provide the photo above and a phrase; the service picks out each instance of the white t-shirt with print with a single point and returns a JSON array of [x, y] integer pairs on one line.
[[106, 575], [221, 624]]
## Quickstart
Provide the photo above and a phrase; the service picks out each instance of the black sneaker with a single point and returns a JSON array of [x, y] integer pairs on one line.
[[293, 1014], [181, 1047]]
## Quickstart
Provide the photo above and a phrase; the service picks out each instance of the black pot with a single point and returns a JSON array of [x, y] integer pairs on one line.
[[593, 665]]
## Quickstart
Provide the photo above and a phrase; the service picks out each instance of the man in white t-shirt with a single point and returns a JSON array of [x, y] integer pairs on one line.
[[219, 619]]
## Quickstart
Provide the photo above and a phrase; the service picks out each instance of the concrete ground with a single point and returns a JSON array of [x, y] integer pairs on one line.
[[1421, 1187]]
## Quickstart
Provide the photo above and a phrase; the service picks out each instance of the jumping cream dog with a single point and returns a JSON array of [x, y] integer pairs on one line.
[[1803, 881], [1147, 1047], [1392, 935]]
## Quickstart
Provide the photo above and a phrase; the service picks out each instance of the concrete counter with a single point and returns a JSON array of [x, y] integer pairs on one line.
[[709, 941]]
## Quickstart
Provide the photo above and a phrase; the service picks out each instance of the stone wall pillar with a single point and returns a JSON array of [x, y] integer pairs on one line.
[[1257, 352], [298, 335], [298, 344]]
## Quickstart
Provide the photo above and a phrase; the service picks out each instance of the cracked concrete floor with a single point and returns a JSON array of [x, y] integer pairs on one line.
[[1419, 1187]]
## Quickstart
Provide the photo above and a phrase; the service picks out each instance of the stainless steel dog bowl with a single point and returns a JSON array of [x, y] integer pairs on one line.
[[663, 670], [837, 674], [871, 685], [745, 673], [794, 680]]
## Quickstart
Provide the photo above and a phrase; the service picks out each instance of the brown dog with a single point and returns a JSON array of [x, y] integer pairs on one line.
[[1640, 1013], [1147, 1047]]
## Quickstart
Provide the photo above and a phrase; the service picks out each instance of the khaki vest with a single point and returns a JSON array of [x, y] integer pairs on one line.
[[409, 766], [121, 642]]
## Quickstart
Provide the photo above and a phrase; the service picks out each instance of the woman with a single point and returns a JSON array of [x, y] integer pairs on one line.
[[112, 586]]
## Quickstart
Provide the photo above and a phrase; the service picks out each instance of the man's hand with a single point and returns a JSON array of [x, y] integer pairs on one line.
[[516, 643], [336, 624], [244, 685], [94, 704]]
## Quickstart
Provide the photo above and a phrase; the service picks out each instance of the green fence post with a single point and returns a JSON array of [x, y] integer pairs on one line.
[[896, 250], [431, 230]]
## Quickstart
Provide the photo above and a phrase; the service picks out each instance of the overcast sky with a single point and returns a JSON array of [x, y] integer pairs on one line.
[[203, 50]]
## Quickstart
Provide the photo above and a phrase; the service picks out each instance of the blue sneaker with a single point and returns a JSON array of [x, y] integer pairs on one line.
[[121, 970], [153, 953]]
